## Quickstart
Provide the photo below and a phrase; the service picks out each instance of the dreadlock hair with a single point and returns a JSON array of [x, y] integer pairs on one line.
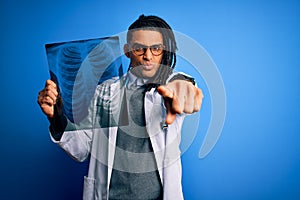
[[155, 23]]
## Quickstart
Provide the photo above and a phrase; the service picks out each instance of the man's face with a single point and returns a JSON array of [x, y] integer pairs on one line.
[[145, 60]]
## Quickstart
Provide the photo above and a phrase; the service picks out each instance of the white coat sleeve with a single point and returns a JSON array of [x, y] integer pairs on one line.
[[76, 140]]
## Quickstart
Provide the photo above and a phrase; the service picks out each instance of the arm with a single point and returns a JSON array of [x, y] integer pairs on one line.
[[75, 142]]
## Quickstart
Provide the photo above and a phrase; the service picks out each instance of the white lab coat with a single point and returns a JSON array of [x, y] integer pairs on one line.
[[89, 139]]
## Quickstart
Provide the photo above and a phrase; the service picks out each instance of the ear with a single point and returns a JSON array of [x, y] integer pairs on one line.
[[126, 50]]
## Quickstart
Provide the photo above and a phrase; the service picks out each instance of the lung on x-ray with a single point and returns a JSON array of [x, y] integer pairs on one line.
[[78, 67]]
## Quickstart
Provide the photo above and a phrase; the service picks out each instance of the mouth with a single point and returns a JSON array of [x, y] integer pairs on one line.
[[144, 70], [148, 67]]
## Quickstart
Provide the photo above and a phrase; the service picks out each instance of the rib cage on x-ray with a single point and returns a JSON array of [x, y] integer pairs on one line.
[[78, 66]]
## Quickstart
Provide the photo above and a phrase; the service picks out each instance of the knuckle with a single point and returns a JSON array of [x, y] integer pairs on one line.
[[197, 108], [178, 110], [189, 108], [199, 93]]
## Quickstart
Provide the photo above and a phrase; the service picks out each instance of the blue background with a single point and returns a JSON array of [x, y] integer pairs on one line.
[[255, 45]]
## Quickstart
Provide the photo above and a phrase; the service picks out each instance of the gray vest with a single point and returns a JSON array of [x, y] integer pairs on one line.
[[135, 174]]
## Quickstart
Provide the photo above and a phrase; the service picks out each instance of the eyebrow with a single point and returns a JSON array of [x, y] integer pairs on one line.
[[136, 43]]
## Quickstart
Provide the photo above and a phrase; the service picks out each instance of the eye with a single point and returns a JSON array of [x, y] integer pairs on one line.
[[138, 48], [156, 47]]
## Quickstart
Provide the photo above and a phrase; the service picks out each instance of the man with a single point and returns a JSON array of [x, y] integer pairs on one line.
[[132, 133]]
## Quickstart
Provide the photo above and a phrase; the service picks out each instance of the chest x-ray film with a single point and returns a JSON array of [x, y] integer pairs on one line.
[[78, 67]]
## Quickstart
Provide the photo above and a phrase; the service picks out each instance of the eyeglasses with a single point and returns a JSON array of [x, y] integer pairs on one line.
[[139, 49]]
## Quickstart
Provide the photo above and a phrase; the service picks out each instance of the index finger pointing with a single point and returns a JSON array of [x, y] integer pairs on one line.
[[165, 92]]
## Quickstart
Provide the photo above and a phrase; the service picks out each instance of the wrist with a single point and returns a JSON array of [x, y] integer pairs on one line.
[[180, 76]]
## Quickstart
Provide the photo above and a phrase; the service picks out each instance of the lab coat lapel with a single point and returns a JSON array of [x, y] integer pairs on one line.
[[154, 117]]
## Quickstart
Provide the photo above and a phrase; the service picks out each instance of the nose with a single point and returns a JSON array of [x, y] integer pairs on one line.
[[148, 54]]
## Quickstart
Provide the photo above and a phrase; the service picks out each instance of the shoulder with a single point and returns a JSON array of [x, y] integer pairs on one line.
[[106, 85]]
